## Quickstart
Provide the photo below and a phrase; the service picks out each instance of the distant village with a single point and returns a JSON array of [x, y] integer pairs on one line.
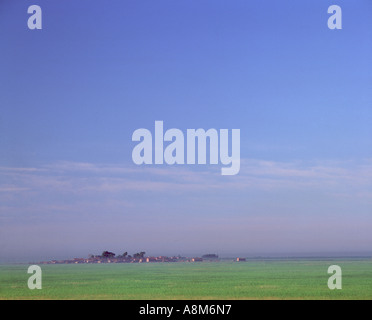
[[110, 257]]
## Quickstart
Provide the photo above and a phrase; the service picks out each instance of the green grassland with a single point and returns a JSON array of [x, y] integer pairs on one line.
[[253, 279]]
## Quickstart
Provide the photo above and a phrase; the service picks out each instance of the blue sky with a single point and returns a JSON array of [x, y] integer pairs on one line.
[[73, 93]]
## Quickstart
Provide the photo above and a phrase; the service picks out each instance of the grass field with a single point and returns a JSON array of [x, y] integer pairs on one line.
[[270, 279]]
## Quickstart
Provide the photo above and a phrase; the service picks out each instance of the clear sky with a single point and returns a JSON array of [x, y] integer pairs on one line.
[[72, 94]]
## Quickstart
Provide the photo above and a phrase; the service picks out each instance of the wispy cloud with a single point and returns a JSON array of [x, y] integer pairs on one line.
[[78, 177], [267, 201]]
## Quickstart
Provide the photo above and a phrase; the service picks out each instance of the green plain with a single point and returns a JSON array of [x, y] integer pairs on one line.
[[253, 279]]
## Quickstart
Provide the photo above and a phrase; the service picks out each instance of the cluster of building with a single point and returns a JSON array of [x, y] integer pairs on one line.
[[135, 259], [98, 259]]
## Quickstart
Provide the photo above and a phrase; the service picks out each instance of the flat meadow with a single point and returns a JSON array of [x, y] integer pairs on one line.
[[252, 279]]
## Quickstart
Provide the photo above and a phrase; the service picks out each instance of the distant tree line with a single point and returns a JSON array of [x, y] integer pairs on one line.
[[210, 256], [110, 255]]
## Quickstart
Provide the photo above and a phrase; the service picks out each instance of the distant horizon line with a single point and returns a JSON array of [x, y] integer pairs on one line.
[[284, 256]]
